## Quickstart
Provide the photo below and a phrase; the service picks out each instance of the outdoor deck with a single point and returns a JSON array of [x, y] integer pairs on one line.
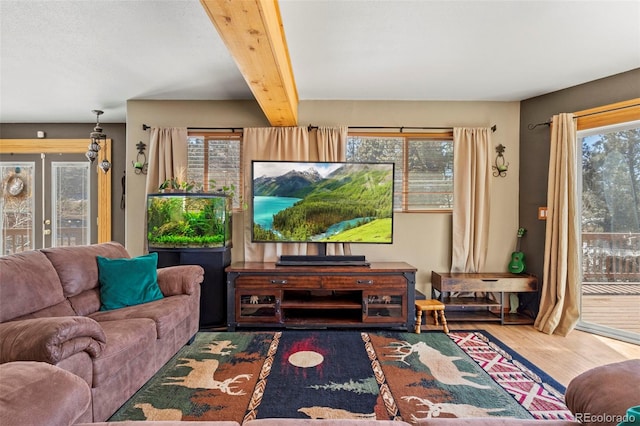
[[621, 311], [611, 280]]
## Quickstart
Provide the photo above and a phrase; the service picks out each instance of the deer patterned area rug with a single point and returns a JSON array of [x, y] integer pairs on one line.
[[346, 374]]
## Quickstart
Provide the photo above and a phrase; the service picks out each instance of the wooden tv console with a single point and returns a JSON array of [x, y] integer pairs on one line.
[[266, 295]]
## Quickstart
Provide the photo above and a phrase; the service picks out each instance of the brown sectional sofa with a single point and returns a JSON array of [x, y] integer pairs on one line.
[[50, 312]]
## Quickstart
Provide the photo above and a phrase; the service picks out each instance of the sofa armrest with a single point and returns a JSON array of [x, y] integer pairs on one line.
[[602, 395], [36, 393], [50, 339], [180, 279]]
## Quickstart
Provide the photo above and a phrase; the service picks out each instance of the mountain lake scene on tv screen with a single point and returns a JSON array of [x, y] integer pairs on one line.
[[322, 202]]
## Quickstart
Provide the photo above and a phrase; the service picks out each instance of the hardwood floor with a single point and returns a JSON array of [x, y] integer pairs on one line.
[[562, 358]]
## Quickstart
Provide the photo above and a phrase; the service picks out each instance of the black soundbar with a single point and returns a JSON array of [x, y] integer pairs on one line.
[[322, 260]]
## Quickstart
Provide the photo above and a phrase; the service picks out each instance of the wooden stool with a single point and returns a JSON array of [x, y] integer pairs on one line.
[[430, 305]]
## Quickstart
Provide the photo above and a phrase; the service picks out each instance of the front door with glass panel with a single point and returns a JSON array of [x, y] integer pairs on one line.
[[48, 200]]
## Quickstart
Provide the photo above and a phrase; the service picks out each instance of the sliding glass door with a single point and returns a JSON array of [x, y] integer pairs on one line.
[[610, 295]]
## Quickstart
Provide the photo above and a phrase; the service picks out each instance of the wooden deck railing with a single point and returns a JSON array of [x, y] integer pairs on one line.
[[610, 257], [611, 280]]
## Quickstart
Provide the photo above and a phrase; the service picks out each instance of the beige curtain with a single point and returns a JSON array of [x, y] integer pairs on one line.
[[559, 305], [471, 203], [270, 143], [329, 144], [286, 143], [167, 156]]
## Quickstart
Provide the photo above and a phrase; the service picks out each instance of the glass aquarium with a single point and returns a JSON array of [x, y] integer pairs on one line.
[[188, 220]]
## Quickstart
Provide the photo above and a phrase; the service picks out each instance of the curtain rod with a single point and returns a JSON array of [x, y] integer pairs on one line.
[[310, 127], [531, 126], [233, 129], [402, 128]]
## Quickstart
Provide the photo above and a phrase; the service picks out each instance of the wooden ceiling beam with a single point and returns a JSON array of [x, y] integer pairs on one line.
[[253, 33]]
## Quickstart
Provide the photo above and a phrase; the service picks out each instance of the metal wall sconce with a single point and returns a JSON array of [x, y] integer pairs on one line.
[[140, 166], [97, 138], [500, 168]]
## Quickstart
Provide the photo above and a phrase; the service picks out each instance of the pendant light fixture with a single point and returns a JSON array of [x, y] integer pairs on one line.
[[97, 139]]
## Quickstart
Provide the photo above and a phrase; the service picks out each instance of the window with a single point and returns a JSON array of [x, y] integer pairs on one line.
[[214, 161], [423, 167], [71, 203]]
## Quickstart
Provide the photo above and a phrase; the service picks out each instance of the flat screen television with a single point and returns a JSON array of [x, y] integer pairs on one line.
[[322, 202]]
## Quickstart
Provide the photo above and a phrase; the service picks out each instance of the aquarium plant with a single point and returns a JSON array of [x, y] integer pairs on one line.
[[188, 219]]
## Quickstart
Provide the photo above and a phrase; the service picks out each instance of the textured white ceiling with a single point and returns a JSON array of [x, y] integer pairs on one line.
[[61, 59], [456, 50]]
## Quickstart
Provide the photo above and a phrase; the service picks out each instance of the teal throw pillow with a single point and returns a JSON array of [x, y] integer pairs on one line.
[[632, 418], [128, 282]]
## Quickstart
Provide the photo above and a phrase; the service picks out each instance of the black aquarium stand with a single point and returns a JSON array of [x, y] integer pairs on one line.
[[213, 299]]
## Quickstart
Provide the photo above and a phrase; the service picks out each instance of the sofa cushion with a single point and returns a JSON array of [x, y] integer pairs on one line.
[[167, 313], [86, 302], [126, 339], [33, 393], [603, 394], [30, 285], [77, 266], [163, 423], [128, 282], [62, 309]]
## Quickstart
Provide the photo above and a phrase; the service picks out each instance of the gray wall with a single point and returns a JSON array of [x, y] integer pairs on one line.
[[115, 131], [534, 151], [420, 239]]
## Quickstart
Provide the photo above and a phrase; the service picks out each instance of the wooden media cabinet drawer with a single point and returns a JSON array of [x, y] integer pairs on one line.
[[489, 281], [363, 281], [278, 280], [458, 292]]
